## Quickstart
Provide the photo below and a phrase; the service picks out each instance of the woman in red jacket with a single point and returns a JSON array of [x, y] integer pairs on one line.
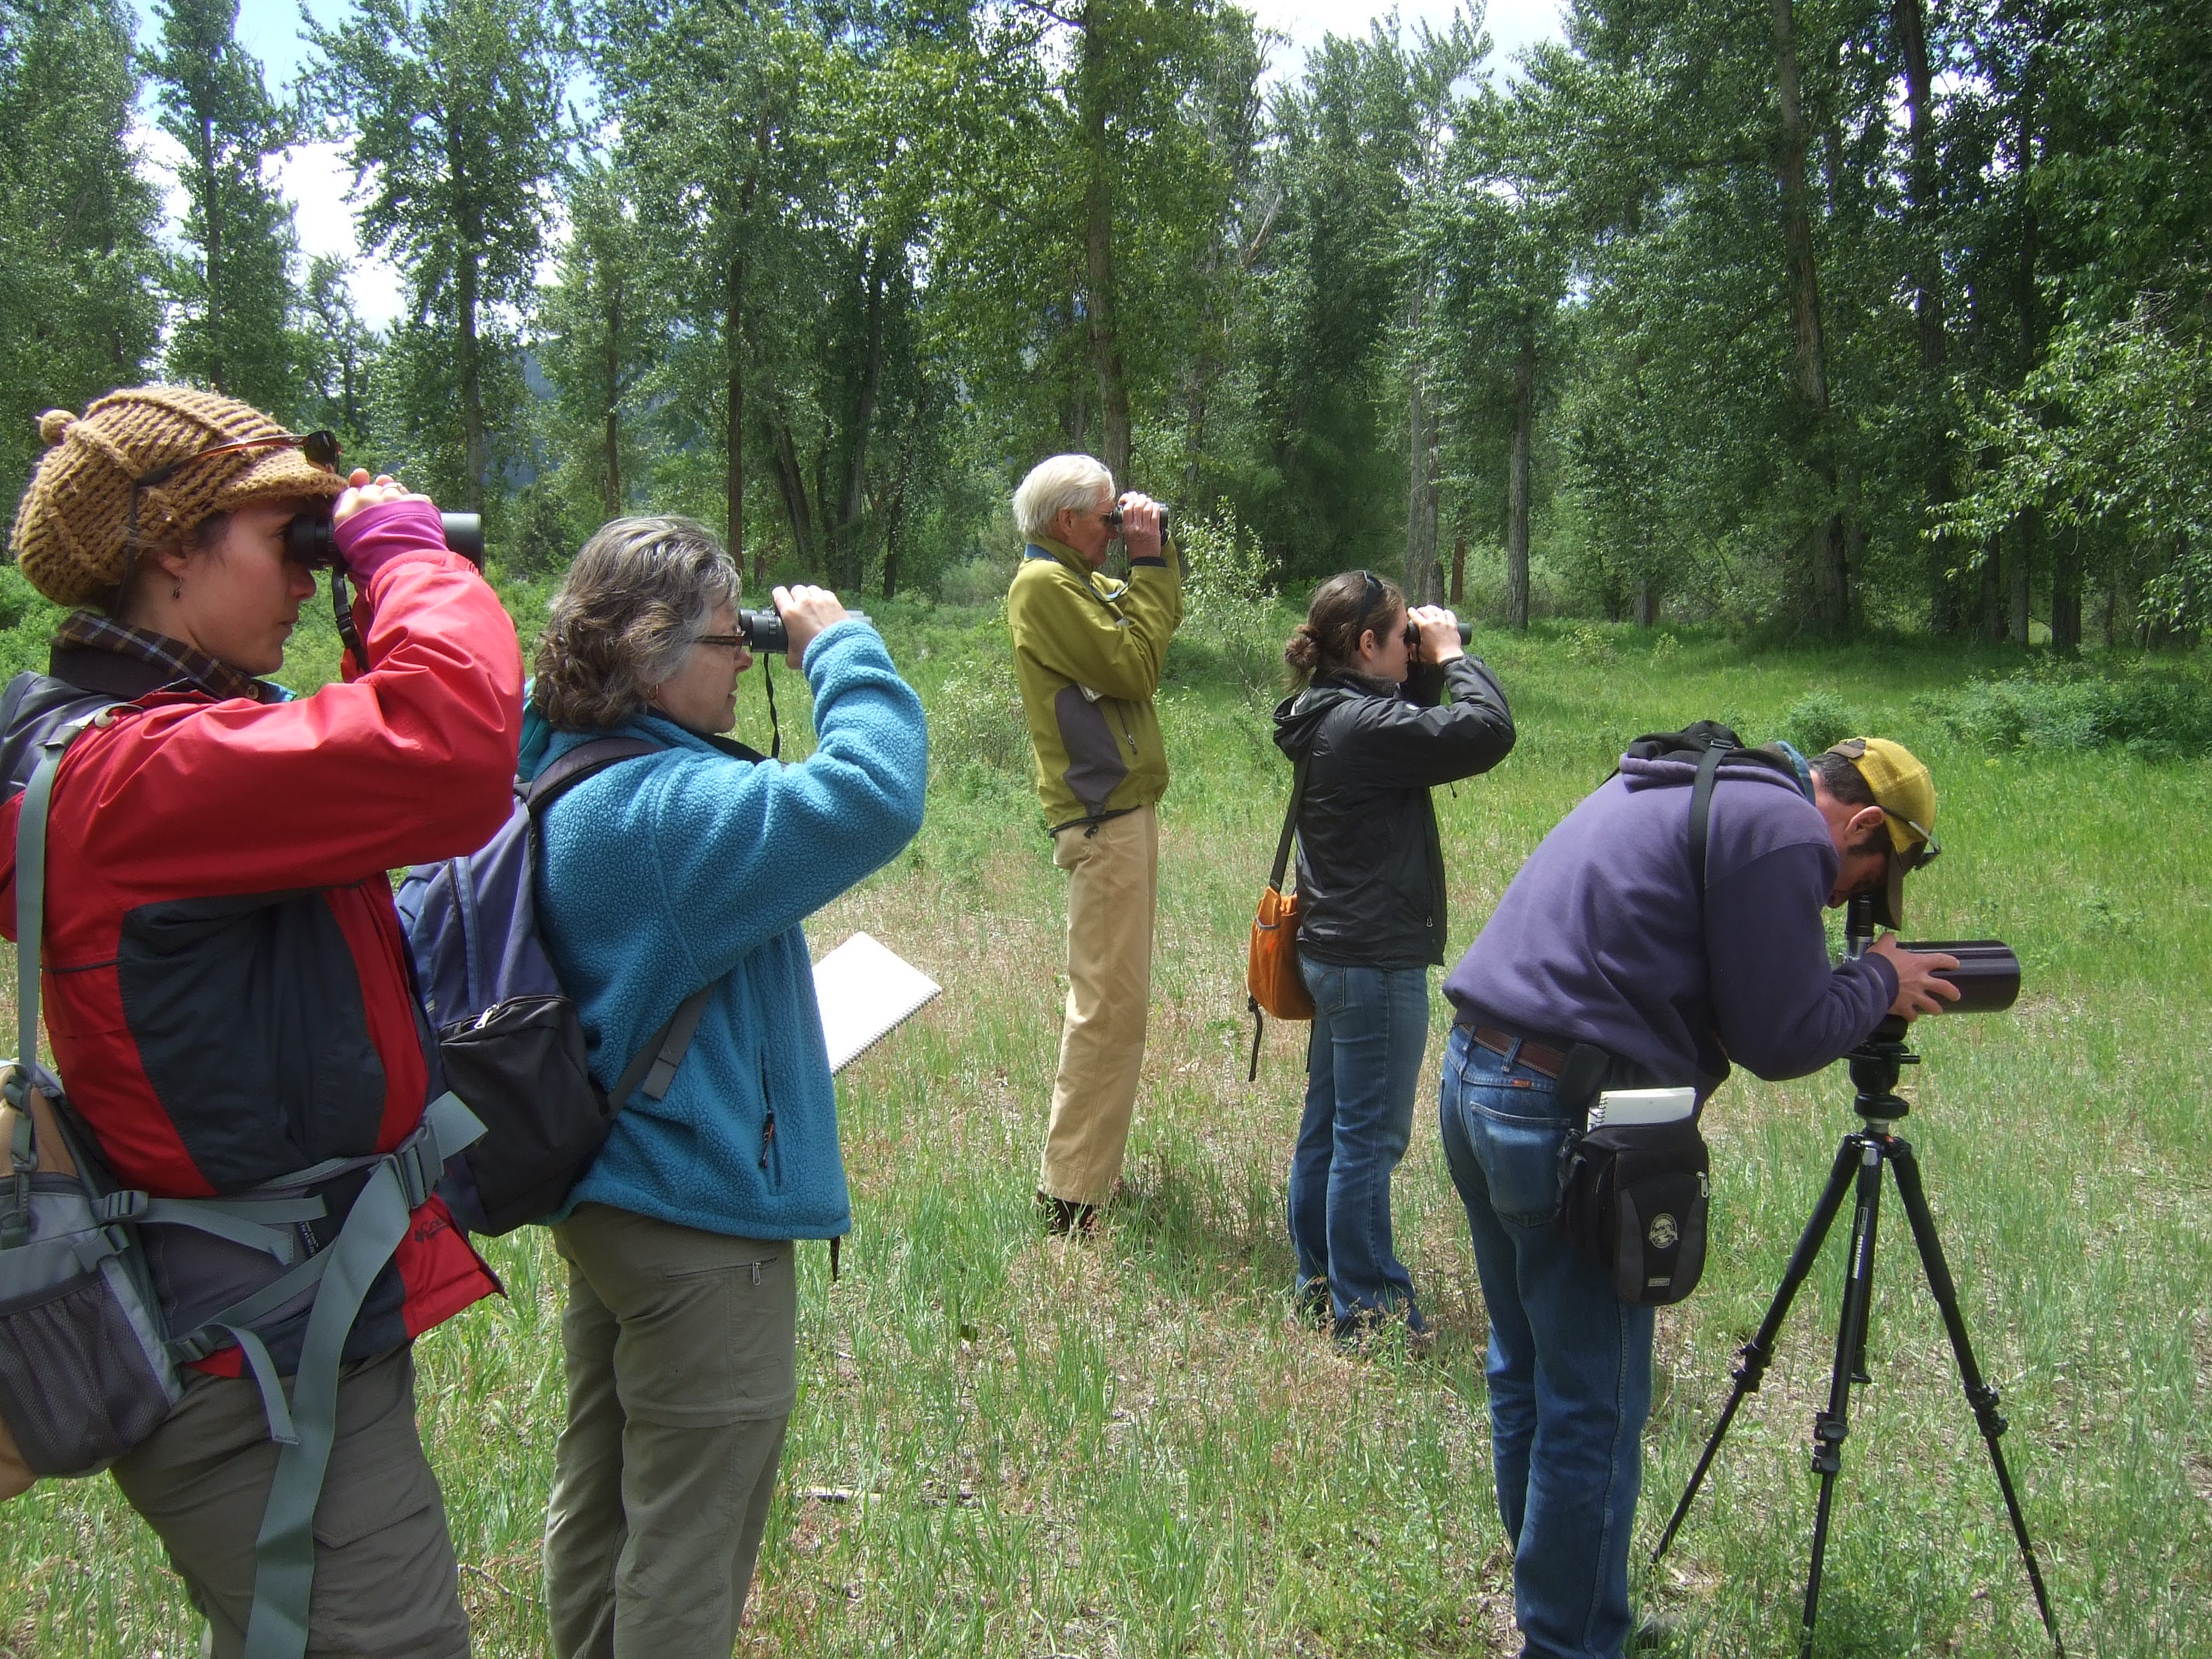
[[224, 980]]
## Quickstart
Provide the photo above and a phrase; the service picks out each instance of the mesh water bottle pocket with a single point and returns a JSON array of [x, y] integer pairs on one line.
[[82, 1378]]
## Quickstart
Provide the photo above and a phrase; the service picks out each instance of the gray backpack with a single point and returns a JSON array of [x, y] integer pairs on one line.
[[88, 1365]]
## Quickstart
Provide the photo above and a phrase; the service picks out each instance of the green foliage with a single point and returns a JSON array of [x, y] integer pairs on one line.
[[2060, 706], [236, 327], [1819, 720], [450, 111], [80, 290]]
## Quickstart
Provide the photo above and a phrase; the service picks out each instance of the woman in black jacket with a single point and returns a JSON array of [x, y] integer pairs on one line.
[[1373, 738]]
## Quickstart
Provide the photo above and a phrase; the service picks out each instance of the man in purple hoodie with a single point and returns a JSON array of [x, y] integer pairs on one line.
[[1604, 938]]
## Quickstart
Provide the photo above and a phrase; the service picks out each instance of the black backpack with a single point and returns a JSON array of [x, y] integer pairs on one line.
[[1635, 1197]]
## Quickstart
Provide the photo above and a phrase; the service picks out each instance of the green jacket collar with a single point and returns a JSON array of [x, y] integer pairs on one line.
[[1059, 552]]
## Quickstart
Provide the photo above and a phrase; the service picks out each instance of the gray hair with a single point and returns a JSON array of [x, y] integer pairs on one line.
[[638, 594], [1061, 480]]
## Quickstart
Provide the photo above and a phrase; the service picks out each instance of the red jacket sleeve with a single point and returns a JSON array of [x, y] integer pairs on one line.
[[412, 762]]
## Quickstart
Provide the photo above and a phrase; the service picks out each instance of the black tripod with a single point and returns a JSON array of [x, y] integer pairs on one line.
[[1859, 1162]]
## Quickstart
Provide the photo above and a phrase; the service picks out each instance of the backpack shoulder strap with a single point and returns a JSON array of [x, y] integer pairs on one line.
[[575, 765], [1290, 820], [654, 1064], [30, 939], [1701, 807]]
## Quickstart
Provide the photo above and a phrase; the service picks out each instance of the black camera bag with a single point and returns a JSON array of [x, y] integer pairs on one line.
[[1633, 1197]]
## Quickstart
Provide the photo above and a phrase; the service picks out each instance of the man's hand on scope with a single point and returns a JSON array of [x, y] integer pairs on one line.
[[806, 612], [1140, 526], [1918, 991]]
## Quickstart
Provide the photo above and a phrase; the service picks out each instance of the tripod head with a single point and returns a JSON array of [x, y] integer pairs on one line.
[[1876, 1063]]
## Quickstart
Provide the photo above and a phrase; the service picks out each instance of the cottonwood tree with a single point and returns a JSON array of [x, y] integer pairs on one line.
[[451, 118], [237, 305], [80, 306]]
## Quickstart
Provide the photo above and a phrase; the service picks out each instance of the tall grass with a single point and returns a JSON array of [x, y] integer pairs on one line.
[[1126, 1446]]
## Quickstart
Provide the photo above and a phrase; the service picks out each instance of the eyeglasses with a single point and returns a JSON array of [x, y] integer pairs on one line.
[[319, 449], [728, 642], [1915, 858]]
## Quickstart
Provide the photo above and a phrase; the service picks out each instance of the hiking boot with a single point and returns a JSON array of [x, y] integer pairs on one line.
[[1064, 1216]]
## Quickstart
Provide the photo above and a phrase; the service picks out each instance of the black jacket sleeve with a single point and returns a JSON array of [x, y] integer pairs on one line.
[[1407, 743]]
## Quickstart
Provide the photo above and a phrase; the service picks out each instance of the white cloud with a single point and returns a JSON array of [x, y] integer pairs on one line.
[[316, 179], [1514, 24]]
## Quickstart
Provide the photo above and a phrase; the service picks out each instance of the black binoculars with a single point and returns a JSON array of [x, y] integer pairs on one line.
[[1114, 521], [1413, 632], [310, 539], [765, 635]]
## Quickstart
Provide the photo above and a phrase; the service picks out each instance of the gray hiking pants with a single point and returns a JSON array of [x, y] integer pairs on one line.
[[385, 1579], [681, 1350]]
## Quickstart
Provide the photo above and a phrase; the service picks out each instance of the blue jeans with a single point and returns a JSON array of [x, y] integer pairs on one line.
[[1369, 1027], [1570, 1364]]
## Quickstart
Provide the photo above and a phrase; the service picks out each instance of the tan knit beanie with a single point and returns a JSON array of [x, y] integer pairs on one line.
[[74, 520]]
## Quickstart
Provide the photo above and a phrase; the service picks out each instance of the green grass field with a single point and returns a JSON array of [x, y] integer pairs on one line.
[[1124, 1446]]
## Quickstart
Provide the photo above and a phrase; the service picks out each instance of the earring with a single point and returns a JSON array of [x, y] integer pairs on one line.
[[177, 590]]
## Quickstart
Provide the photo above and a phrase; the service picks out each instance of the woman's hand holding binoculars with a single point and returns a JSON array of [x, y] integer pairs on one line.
[[1435, 633]]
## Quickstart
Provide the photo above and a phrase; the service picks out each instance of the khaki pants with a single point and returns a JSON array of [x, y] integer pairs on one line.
[[385, 1579], [681, 1349], [1113, 887]]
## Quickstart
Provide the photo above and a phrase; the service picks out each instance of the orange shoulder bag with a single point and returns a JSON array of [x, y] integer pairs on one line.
[[1271, 979]]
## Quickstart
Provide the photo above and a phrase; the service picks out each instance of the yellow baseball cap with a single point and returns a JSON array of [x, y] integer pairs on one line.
[[1906, 795], [1901, 787]]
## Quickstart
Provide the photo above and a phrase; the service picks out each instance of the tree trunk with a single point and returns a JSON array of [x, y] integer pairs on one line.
[[2030, 524], [791, 484], [1517, 485], [733, 433], [848, 552], [1921, 206], [1992, 594], [475, 452], [610, 440], [2066, 593], [1645, 609], [1831, 585], [1459, 568], [2020, 576], [217, 278], [1098, 295]]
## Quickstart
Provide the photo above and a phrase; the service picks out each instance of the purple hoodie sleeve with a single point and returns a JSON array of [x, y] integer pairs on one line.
[[1782, 1010], [371, 539]]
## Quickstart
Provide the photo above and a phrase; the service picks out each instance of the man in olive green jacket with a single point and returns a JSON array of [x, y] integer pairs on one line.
[[1088, 651]]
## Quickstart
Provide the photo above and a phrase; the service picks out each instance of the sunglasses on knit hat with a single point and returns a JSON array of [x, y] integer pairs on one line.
[[319, 449]]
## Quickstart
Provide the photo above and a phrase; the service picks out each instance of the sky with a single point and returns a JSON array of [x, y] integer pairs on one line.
[[317, 181]]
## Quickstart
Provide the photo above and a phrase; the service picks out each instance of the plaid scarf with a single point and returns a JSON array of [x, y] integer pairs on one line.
[[218, 680]]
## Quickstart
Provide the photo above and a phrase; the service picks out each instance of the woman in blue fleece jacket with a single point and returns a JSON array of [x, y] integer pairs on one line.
[[690, 867]]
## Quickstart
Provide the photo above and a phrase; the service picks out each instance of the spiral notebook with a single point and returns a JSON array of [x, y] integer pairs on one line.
[[864, 989]]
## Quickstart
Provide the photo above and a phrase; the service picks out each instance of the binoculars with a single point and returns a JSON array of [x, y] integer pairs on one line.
[[311, 540], [1413, 632], [765, 635]]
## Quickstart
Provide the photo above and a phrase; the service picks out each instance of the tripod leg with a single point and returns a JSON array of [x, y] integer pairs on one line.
[[1752, 1358], [1832, 1425], [1979, 1394]]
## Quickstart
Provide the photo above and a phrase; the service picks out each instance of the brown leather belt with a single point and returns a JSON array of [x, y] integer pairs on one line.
[[1536, 1056]]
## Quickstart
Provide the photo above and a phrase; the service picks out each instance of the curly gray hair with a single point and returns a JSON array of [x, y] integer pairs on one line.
[[639, 593]]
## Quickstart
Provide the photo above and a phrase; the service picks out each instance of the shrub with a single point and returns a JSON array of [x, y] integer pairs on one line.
[[978, 580], [1819, 719], [2063, 707], [975, 721], [1588, 643]]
